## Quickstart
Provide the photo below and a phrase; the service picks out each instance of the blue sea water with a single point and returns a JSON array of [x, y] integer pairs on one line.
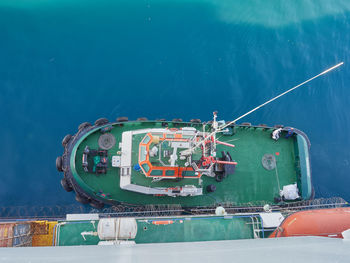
[[66, 62]]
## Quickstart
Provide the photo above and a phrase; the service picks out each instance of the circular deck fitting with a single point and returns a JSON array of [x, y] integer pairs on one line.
[[211, 188], [122, 119], [66, 140], [177, 120], [142, 119], [59, 163], [219, 177], [268, 161], [262, 125], [195, 121], [84, 125], [277, 126], [101, 121], [106, 141]]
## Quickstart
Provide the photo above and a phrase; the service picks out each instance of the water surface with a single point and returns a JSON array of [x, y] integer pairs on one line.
[[65, 62]]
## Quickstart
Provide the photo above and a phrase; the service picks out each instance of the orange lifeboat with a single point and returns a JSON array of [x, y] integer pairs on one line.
[[324, 222]]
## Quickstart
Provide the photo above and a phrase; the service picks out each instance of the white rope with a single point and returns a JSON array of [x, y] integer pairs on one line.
[[267, 102], [278, 181]]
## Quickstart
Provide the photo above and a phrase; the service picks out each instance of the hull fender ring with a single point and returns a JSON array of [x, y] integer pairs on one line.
[[96, 204], [65, 185], [248, 124], [82, 199], [122, 119], [195, 121], [59, 164], [66, 140], [84, 125], [101, 121]]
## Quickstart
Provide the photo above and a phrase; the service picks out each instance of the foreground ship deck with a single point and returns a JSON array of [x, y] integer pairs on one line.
[[300, 249], [116, 229], [165, 229], [151, 162]]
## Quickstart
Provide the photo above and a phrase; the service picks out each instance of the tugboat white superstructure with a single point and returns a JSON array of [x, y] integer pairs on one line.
[[171, 154]]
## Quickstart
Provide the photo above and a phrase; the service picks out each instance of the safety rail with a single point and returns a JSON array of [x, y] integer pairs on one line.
[[56, 212]]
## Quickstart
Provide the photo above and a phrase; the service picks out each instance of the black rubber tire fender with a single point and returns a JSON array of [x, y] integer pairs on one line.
[[59, 164], [82, 199], [101, 121], [195, 121], [177, 120], [97, 204], [122, 119], [66, 140], [66, 185], [142, 119], [84, 125]]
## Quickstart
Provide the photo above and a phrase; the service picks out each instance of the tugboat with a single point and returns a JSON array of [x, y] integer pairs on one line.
[[185, 163], [190, 164]]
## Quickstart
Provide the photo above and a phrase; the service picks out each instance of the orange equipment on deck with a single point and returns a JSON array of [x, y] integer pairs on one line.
[[324, 222], [177, 172], [163, 222]]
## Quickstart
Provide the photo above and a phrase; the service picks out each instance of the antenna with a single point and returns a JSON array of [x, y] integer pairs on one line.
[[265, 103]]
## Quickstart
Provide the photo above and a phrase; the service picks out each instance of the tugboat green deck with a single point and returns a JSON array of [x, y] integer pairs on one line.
[[145, 156]]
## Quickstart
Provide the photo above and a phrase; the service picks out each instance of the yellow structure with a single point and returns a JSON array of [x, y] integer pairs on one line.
[[42, 233]]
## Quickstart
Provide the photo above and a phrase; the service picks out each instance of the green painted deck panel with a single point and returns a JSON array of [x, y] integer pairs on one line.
[[195, 230], [70, 234], [182, 230], [250, 184]]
